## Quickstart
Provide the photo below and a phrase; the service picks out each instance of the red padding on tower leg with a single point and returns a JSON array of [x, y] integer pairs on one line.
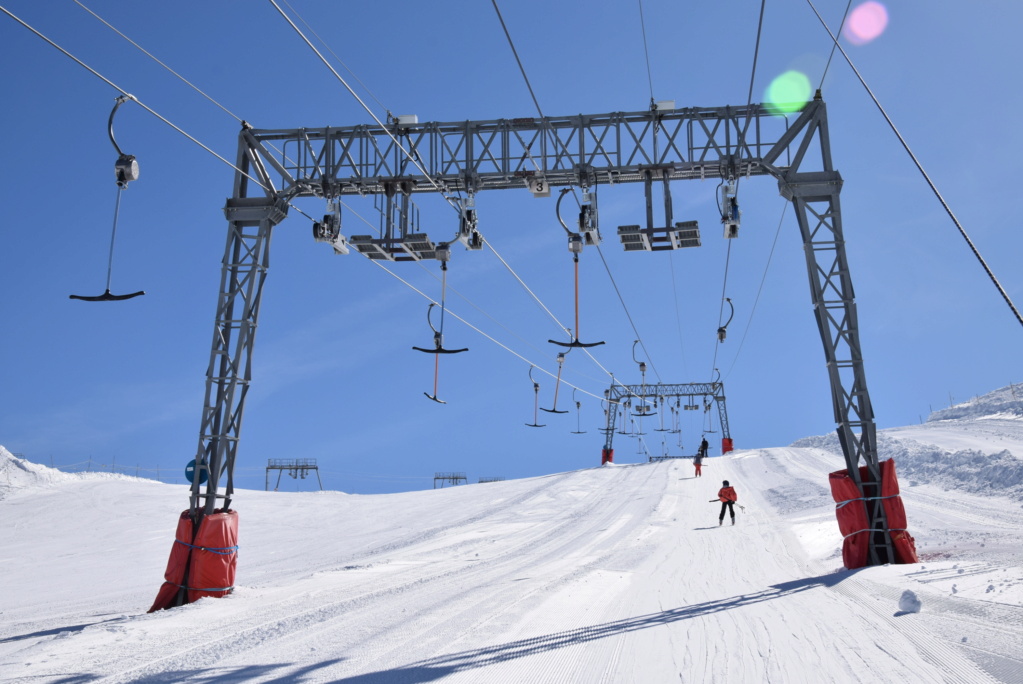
[[211, 559], [852, 517], [902, 542], [607, 456], [214, 556], [726, 445], [176, 564]]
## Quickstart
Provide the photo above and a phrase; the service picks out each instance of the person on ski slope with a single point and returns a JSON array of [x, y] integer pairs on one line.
[[701, 454], [727, 497]]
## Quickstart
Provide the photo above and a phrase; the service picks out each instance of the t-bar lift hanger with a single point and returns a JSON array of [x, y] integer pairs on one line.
[[443, 255], [575, 246], [126, 169], [578, 416], [557, 384], [536, 400]]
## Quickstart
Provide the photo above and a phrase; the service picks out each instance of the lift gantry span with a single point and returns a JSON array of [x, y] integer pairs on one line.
[[470, 156], [405, 157], [705, 390]]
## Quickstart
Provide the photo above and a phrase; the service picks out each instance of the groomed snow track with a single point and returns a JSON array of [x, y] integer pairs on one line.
[[614, 574]]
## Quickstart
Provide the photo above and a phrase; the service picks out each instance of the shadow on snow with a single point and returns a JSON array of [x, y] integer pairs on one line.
[[433, 669]]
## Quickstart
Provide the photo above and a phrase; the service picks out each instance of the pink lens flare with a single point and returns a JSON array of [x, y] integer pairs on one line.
[[865, 23]]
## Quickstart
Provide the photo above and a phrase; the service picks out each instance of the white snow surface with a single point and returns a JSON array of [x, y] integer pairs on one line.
[[600, 575]]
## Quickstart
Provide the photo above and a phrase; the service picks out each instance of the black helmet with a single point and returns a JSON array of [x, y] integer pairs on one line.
[[725, 483]]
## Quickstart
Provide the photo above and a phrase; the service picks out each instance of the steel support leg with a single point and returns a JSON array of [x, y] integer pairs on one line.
[[815, 198], [246, 259]]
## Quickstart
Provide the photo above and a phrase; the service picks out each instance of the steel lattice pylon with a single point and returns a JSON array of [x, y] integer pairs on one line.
[[471, 156], [617, 393]]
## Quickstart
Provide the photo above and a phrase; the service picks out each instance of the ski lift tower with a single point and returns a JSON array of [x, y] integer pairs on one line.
[[705, 390], [296, 467], [450, 478], [460, 159]]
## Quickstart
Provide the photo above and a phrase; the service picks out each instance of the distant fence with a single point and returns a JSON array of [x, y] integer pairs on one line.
[[165, 475]]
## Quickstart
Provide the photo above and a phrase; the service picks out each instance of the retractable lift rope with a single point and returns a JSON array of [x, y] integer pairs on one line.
[[642, 409], [557, 384], [536, 400], [443, 255], [126, 169], [578, 415], [575, 246], [723, 330], [662, 428]]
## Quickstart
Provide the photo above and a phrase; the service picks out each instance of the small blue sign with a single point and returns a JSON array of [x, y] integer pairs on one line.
[[190, 472]]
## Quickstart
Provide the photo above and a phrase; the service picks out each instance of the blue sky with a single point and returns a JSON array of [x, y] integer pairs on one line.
[[334, 375]]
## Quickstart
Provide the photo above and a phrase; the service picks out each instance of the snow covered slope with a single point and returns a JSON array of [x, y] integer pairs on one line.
[[614, 574]]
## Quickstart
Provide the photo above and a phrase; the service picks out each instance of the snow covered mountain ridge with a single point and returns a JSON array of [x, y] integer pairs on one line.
[[937, 453], [1004, 402]]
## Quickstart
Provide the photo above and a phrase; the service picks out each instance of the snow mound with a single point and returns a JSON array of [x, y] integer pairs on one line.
[[1004, 402], [968, 470], [17, 473], [909, 602]]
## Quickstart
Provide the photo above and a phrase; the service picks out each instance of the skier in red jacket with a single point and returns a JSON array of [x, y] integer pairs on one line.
[[701, 454], [727, 497]]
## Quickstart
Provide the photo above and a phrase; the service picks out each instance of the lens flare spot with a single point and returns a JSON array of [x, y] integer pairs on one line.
[[787, 93], [865, 23]]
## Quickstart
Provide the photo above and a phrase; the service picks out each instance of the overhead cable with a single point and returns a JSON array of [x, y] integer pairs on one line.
[[721, 309], [763, 279], [155, 59], [539, 111], [518, 61], [410, 156], [752, 78], [522, 69], [742, 144], [671, 262], [406, 153], [919, 166], [756, 54], [138, 102], [172, 71], [628, 315], [526, 287], [470, 325], [830, 56], [678, 315], [340, 61], [646, 51], [508, 266]]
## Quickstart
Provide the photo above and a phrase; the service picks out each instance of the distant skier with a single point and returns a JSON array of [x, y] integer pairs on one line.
[[727, 497], [701, 454]]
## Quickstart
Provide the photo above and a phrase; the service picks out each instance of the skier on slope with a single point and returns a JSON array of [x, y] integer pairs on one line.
[[701, 454], [727, 497]]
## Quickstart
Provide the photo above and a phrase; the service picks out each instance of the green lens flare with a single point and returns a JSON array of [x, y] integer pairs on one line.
[[787, 93]]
